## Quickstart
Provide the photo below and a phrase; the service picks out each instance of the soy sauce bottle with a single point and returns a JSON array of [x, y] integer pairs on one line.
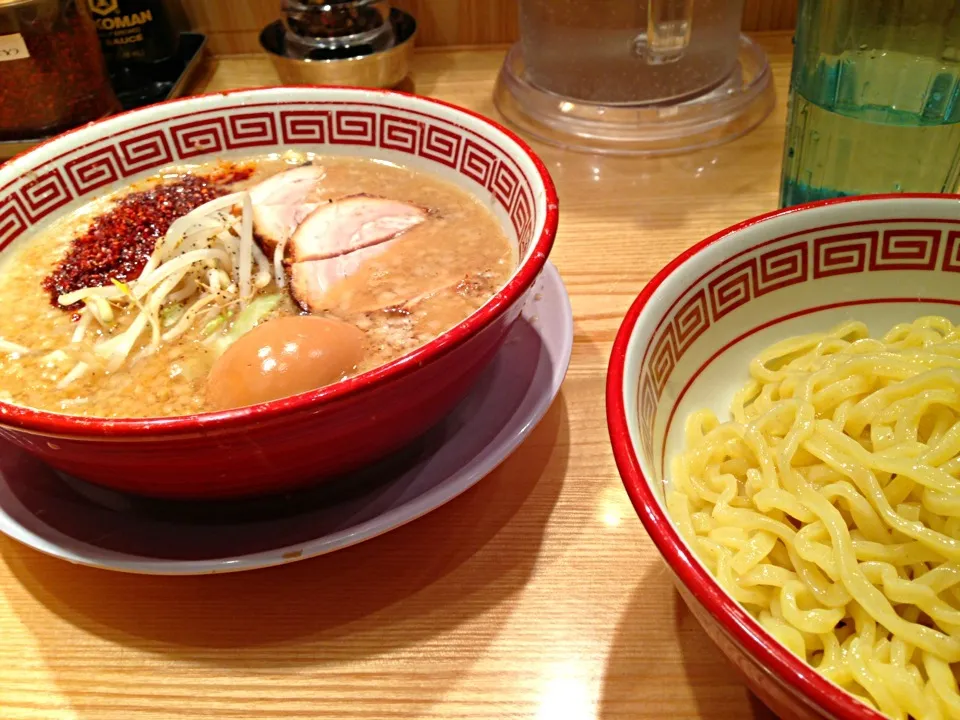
[[140, 44]]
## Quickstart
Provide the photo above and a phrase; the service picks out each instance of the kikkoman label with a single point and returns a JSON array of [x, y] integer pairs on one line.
[[102, 8], [12, 47], [122, 33], [124, 21]]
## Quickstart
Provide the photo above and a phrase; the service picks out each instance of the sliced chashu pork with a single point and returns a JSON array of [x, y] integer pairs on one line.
[[281, 202], [334, 240]]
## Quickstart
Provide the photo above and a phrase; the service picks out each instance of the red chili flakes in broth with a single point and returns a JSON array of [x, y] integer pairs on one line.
[[118, 244]]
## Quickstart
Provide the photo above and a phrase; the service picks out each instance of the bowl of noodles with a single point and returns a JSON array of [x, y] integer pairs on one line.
[[783, 402], [252, 291]]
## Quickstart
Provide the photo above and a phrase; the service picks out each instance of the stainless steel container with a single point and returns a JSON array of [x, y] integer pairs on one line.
[[362, 43]]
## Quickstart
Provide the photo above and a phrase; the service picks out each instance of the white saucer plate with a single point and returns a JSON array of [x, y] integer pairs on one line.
[[89, 525]]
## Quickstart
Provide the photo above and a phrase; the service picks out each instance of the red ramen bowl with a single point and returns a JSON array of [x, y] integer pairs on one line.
[[685, 345], [278, 445]]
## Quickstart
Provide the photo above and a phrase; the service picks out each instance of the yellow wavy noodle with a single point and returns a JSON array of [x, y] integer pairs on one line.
[[829, 506]]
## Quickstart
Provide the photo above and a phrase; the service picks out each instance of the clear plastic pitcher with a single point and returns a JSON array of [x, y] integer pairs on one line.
[[629, 51], [634, 77]]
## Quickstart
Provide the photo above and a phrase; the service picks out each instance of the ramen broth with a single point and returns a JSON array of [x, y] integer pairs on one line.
[[428, 277]]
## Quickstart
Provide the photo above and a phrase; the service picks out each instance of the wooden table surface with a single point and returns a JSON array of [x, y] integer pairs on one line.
[[536, 594]]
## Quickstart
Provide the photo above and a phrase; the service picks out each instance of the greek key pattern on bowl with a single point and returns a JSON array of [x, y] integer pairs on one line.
[[83, 171], [45, 193], [109, 163], [799, 258]]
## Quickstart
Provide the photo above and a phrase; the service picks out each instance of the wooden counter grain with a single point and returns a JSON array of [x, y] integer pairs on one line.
[[535, 595], [233, 26]]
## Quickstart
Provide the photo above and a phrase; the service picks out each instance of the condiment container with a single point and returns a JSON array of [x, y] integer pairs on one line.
[[52, 72], [140, 44], [336, 29], [363, 43]]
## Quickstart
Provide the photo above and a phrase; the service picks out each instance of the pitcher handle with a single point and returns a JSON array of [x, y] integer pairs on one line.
[[669, 23]]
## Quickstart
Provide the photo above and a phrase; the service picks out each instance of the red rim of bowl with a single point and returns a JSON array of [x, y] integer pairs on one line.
[[819, 692], [522, 279]]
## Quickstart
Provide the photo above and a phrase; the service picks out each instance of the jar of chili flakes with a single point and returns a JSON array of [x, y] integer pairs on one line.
[[336, 29], [52, 72]]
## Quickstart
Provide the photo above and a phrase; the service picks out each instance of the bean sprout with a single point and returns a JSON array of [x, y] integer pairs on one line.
[[263, 276], [184, 324], [81, 329], [13, 348], [246, 248], [205, 263], [78, 370], [279, 274]]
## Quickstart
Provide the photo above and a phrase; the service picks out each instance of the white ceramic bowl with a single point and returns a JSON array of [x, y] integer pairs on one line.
[[686, 343]]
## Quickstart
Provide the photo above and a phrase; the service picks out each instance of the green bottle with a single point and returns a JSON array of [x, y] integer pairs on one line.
[[874, 99]]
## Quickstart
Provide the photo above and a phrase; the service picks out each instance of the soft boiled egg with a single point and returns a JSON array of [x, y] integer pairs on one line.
[[283, 357]]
